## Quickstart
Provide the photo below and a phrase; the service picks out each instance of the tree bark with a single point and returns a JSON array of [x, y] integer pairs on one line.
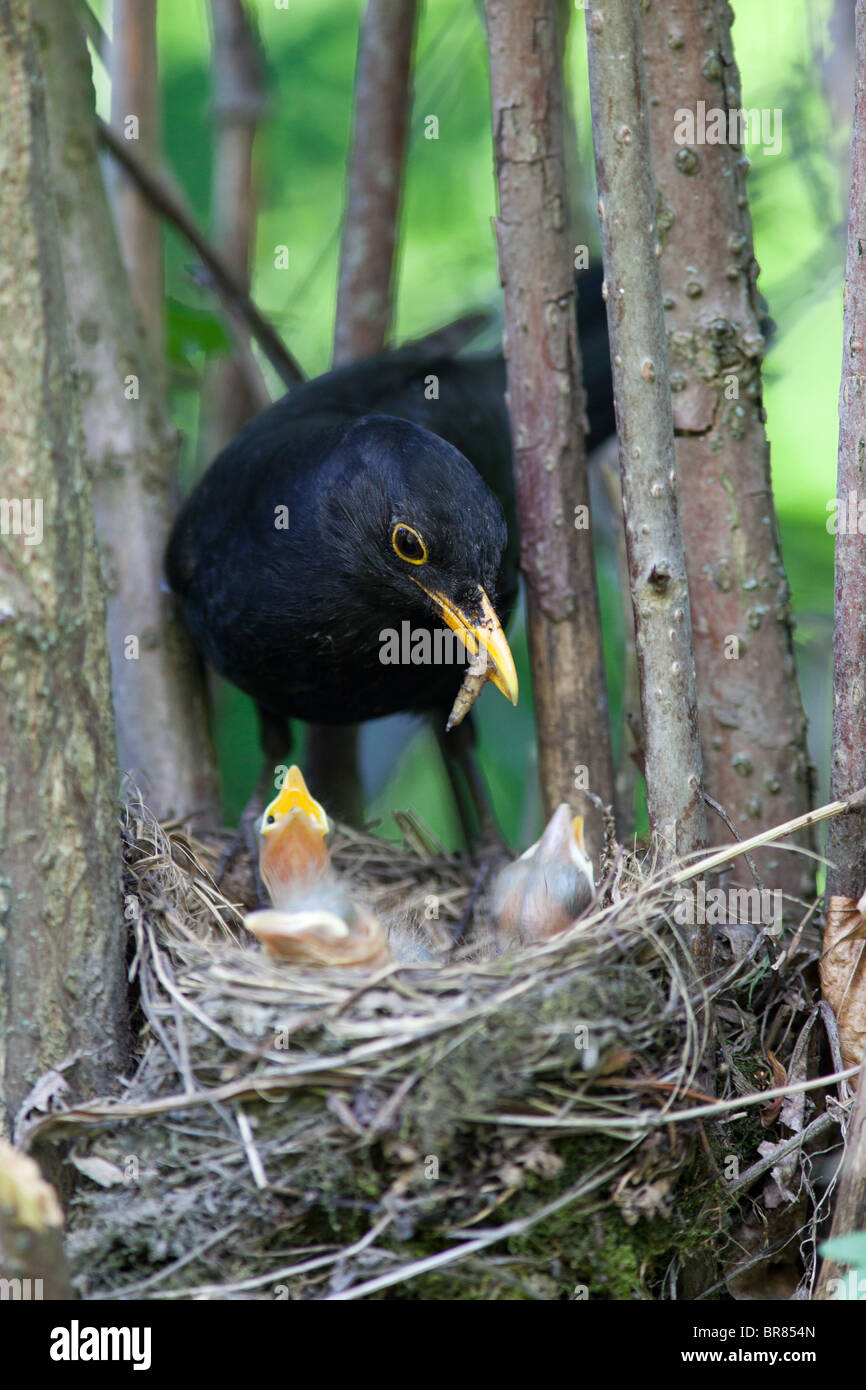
[[383, 100], [62, 978], [365, 294], [131, 447], [659, 586], [135, 96], [753, 729], [846, 844], [239, 102], [547, 407], [849, 1210]]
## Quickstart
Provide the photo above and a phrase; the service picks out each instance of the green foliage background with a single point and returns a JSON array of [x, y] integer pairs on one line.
[[448, 264]]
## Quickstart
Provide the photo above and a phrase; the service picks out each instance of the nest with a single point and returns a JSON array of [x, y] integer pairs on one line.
[[531, 1126]]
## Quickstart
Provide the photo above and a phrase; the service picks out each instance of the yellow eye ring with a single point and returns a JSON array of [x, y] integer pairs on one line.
[[413, 550]]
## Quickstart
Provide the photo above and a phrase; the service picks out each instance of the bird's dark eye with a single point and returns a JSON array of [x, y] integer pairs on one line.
[[408, 544], [271, 820]]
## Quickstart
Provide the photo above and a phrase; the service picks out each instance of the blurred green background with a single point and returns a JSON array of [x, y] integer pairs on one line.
[[447, 264]]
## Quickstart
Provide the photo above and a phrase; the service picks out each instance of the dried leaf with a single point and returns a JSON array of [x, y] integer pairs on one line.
[[48, 1094], [99, 1170], [843, 976], [542, 1161], [616, 1059], [770, 1112]]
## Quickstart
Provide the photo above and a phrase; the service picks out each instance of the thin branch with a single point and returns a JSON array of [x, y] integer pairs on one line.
[[847, 840], [752, 725], [709, 863], [849, 1212], [819, 1126], [163, 733], [166, 197], [383, 99], [135, 98], [645, 424], [547, 407], [644, 1120], [234, 386], [95, 33], [365, 294]]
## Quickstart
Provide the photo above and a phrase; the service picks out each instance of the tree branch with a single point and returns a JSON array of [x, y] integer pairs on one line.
[[234, 385], [62, 975], [659, 587], [846, 847], [135, 99], [164, 195], [130, 447], [383, 93], [846, 875], [547, 408], [383, 97], [753, 729]]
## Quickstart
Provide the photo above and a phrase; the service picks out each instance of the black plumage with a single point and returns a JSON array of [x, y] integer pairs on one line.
[[284, 554]]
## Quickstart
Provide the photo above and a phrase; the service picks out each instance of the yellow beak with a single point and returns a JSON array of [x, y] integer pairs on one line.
[[293, 798], [577, 827], [485, 636]]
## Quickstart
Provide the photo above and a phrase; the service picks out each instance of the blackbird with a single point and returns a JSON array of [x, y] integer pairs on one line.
[[329, 521], [377, 495]]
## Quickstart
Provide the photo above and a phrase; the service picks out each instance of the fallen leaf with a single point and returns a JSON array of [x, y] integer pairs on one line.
[[99, 1170], [843, 976], [780, 1078]]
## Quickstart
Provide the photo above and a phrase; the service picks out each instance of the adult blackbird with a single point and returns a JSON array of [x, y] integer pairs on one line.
[[378, 494]]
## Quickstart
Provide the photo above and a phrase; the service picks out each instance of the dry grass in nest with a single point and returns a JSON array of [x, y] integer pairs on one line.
[[509, 1127]]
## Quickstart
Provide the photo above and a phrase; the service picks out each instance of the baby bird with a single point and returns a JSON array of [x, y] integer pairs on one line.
[[313, 920], [542, 892]]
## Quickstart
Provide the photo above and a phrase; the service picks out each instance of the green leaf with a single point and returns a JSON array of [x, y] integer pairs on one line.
[[191, 332]]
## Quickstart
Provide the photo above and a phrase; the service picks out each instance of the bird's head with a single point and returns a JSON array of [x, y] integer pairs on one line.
[[419, 527], [293, 852], [543, 891]]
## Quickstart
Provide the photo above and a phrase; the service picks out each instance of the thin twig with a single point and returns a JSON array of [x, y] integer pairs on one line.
[[166, 198], [723, 815], [697, 1112], [818, 1126], [715, 860]]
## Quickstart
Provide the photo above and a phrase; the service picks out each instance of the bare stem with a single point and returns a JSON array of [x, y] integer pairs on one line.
[[547, 407], [654, 541], [847, 842], [164, 194]]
